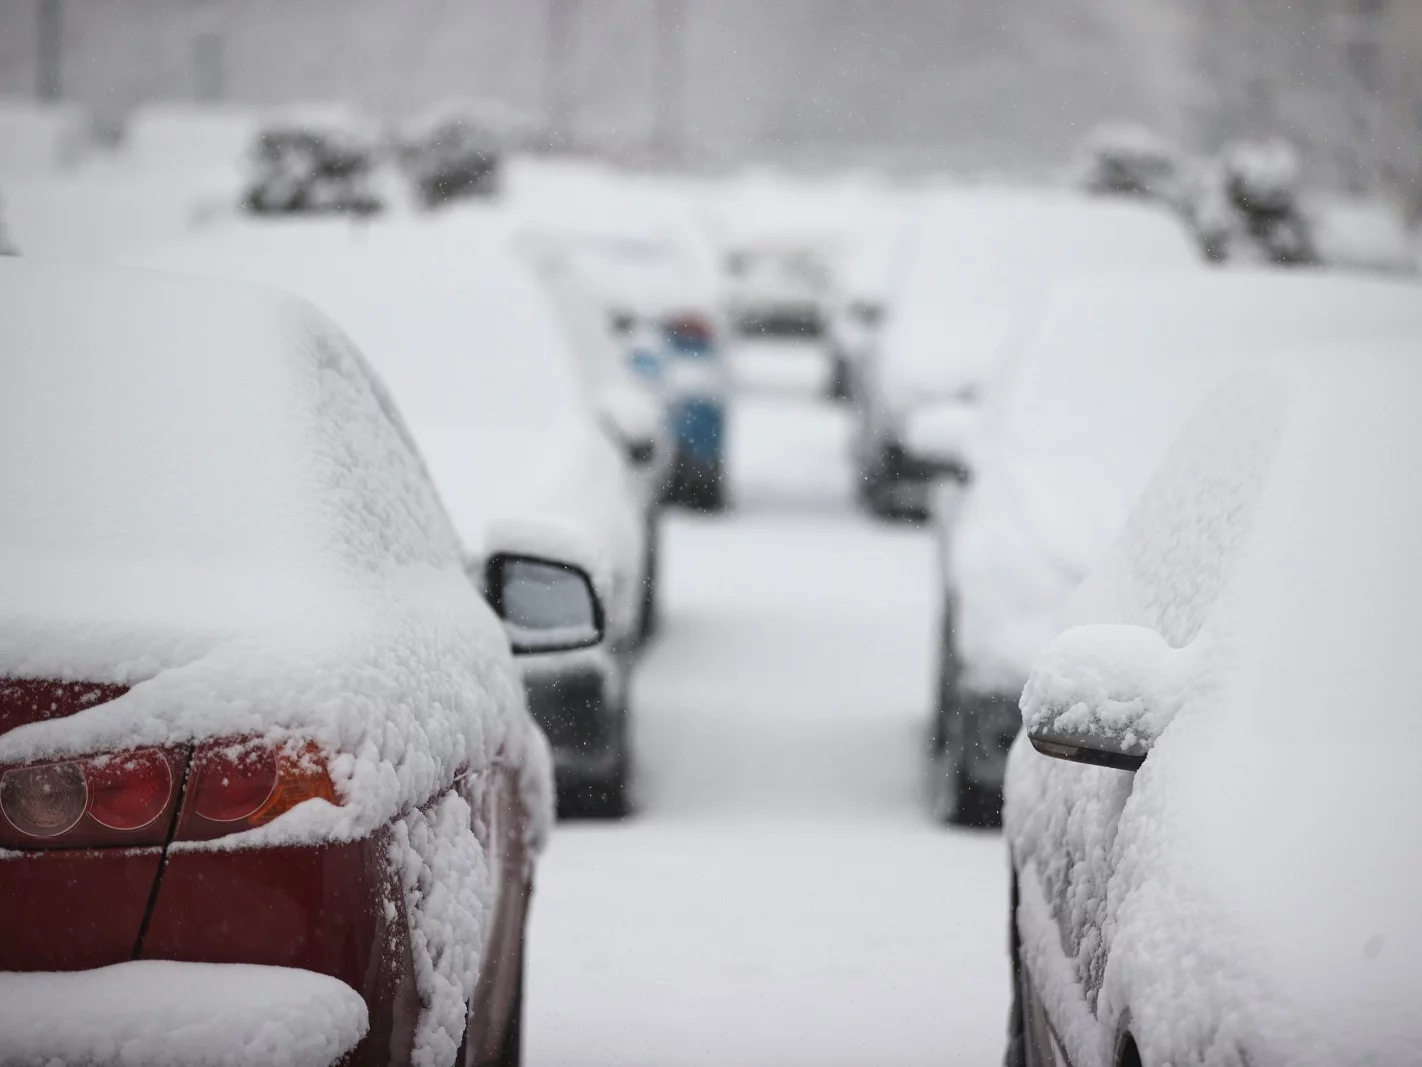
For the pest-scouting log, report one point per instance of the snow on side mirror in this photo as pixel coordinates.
(546, 606)
(1102, 694)
(943, 433)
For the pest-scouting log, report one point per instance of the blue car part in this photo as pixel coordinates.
(699, 426)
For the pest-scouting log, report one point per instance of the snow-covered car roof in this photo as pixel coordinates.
(1082, 412)
(208, 497)
(980, 261)
(1260, 894)
(472, 347)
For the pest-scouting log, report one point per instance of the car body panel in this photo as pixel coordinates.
(74, 909)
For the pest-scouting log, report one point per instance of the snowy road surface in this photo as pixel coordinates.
(780, 898)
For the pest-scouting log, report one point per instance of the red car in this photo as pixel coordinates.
(269, 792)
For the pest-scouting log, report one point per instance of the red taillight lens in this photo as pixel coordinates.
(233, 781)
(130, 790)
(240, 785)
(44, 801)
(122, 799)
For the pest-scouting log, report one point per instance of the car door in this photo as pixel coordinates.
(1165, 572)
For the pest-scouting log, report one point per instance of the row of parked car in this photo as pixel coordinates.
(1177, 525)
(266, 751)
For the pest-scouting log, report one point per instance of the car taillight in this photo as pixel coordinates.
(689, 335)
(128, 791)
(240, 785)
(117, 799)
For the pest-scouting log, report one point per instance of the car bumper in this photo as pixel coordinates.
(904, 484)
(990, 722)
(698, 424)
(584, 726)
(160, 1013)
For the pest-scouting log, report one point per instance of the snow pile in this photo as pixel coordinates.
(1240, 900)
(1079, 417)
(978, 263)
(37, 138)
(163, 1014)
(221, 508)
(445, 879)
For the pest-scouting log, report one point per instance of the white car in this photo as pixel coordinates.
(1075, 425)
(970, 279)
(1214, 810)
(269, 791)
(475, 352)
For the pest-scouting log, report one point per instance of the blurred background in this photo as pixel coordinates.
(795, 247)
(910, 84)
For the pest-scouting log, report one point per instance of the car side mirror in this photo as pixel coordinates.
(546, 606)
(633, 420)
(1102, 694)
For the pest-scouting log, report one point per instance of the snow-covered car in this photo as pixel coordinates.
(1249, 206)
(661, 312)
(974, 272)
(778, 290)
(623, 359)
(451, 154)
(1125, 159)
(455, 320)
(1213, 810)
(269, 789)
(1079, 417)
(307, 161)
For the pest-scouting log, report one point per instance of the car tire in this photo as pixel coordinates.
(700, 488)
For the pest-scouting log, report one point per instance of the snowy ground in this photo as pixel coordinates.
(781, 897)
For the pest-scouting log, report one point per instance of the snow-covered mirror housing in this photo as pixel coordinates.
(1102, 694)
(943, 433)
(546, 605)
